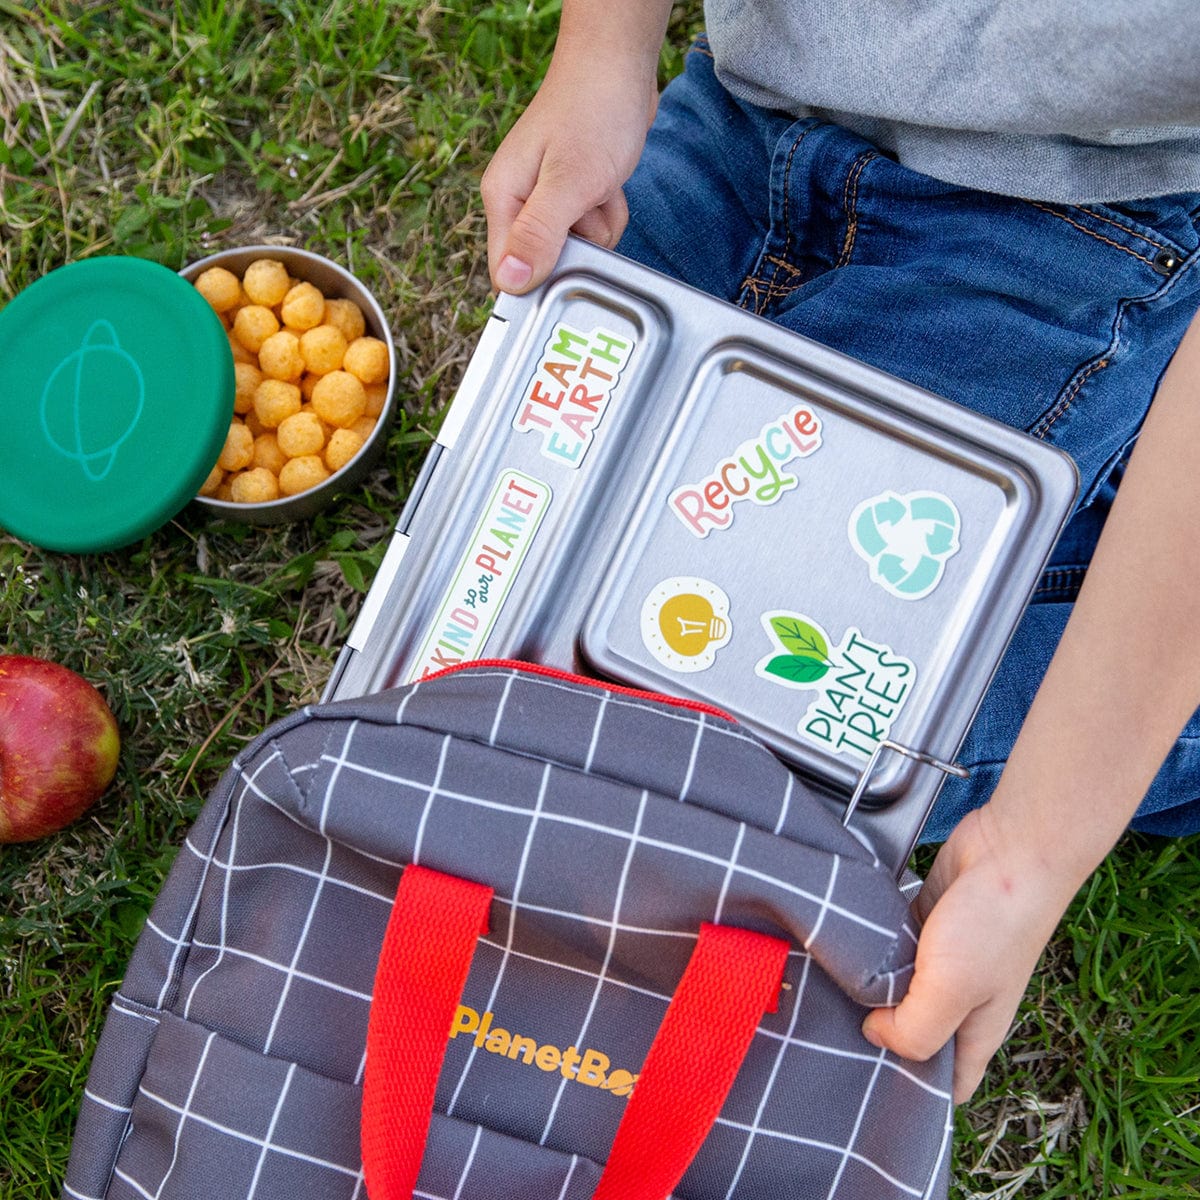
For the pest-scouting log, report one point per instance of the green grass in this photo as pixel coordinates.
(360, 131)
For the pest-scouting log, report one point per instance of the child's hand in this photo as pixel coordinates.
(562, 166)
(560, 170)
(986, 917)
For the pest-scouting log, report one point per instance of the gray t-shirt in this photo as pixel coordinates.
(1074, 101)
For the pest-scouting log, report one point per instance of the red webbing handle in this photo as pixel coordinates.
(436, 921)
(732, 978)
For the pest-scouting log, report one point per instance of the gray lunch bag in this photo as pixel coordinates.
(509, 933)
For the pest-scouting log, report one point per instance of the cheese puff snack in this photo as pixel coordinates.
(275, 401)
(345, 316)
(239, 352)
(376, 398)
(279, 356)
(253, 325)
(247, 377)
(266, 282)
(344, 444)
(366, 358)
(238, 449)
(303, 307)
(323, 349)
(210, 485)
(221, 288)
(310, 384)
(268, 454)
(300, 474)
(253, 487)
(301, 434)
(339, 399)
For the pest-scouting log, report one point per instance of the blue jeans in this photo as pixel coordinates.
(1057, 320)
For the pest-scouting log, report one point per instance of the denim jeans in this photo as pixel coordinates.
(1057, 320)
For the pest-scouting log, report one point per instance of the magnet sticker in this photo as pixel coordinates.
(485, 575)
(906, 540)
(752, 472)
(685, 621)
(575, 378)
(861, 686)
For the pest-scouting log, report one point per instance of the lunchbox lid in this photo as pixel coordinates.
(116, 392)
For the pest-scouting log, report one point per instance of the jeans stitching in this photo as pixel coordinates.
(787, 206)
(766, 291)
(1044, 425)
(1092, 233)
(1061, 581)
(783, 263)
(1125, 229)
(755, 285)
(1042, 428)
(769, 290)
(850, 204)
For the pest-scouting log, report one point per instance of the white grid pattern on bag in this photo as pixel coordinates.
(943, 1152)
(184, 1113)
(775, 1066)
(431, 795)
(896, 1065)
(290, 970)
(224, 919)
(498, 720)
(831, 1147)
(663, 710)
(512, 924)
(169, 974)
(785, 803)
(579, 1039)
(391, 778)
(737, 846)
(693, 758)
(858, 1120)
(240, 1135)
(267, 1145)
(462, 1179)
(325, 879)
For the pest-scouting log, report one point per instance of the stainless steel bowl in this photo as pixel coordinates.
(333, 281)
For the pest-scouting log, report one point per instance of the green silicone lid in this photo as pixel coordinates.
(116, 392)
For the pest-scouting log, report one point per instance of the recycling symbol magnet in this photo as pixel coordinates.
(906, 540)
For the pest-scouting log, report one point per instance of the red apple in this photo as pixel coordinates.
(58, 746)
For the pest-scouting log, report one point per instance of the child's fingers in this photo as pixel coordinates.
(919, 1026)
(605, 223)
(537, 232)
(927, 1018)
(509, 179)
(978, 1039)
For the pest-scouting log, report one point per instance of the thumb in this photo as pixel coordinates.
(536, 237)
(919, 1026)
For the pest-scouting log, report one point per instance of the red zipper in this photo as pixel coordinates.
(570, 677)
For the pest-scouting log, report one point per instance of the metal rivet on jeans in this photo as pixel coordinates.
(1166, 261)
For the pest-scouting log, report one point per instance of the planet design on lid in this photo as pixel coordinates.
(92, 401)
